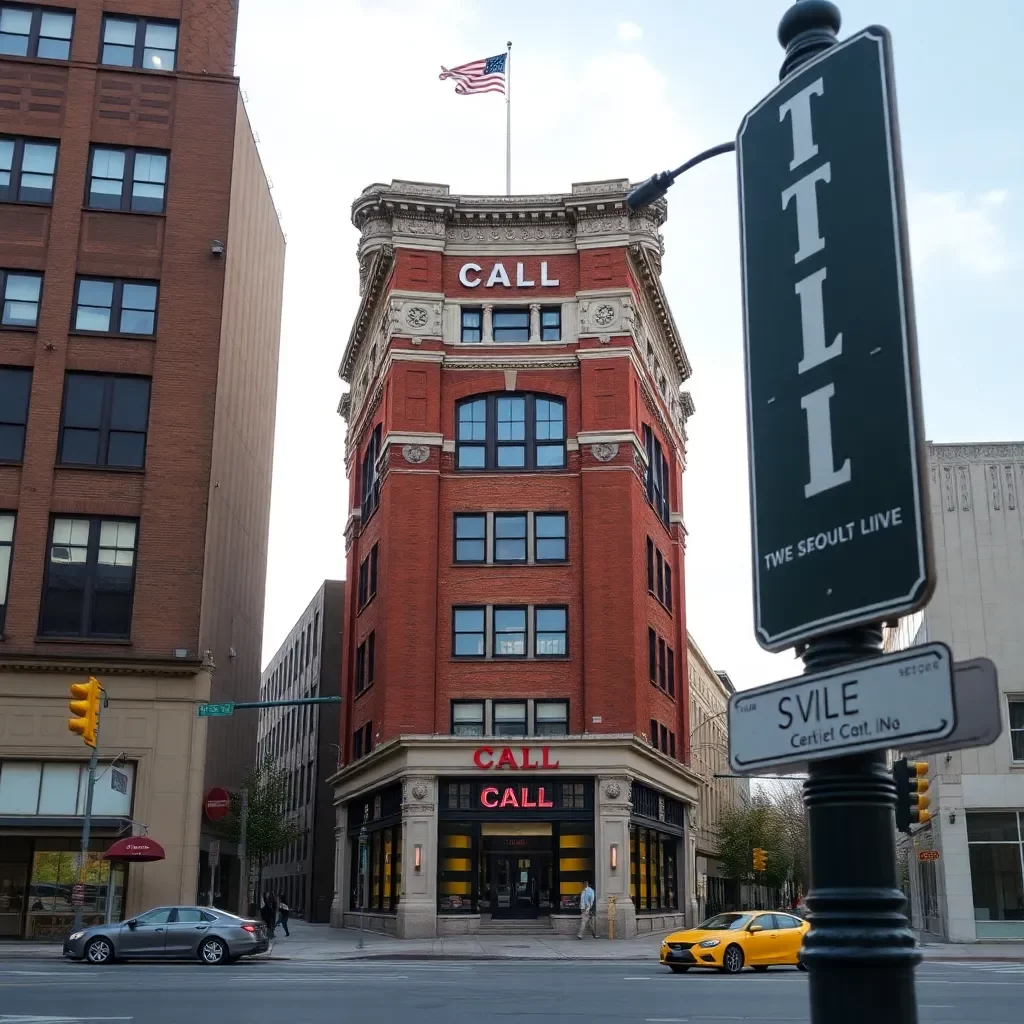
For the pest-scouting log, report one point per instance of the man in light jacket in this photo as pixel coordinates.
(587, 898)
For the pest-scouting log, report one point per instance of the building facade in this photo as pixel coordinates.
(514, 668)
(709, 756)
(141, 266)
(303, 741)
(974, 891)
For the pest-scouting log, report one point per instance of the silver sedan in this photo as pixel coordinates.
(170, 933)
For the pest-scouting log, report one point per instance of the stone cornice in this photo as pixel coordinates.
(104, 665)
(1009, 451)
(377, 277)
(648, 274)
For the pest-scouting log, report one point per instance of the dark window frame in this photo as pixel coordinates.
(141, 24)
(564, 516)
(11, 192)
(670, 664)
(662, 679)
(130, 154)
(667, 596)
(460, 702)
(36, 12)
(650, 566)
(530, 442)
(524, 516)
(495, 609)
(482, 632)
(22, 424)
(456, 518)
(104, 428)
(656, 483)
(116, 306)
(652, 655)
(517, 311)
(537, 609)
(549, 310)
(5, 273)
(7, 552)
(368, 578)
(654, 732)
(525, 719)
(369, 476)
(89, 590)
(478, 329)
(548, 702)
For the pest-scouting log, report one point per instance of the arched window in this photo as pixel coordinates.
(511, 432)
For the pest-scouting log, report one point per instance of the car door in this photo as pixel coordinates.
(790, 937)
(185, 931)
(760, 944)
(146, 934)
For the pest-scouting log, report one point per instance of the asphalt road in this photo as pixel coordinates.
(438, 992)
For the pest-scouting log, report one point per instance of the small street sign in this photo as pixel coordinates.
(118, 781)
(212, 710)
(979, 719)
(214, 851)
(876, 704)
(78, 895)
(217, 804)
(928, 855)
(837, 469)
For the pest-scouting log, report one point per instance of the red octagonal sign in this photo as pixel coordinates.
(218, 803)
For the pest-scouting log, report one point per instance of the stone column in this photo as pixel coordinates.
(417, 908)
(534, 321)
(488, 331)
(612, 829)
(342, 867)
(686, 883)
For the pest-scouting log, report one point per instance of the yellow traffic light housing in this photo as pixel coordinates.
(760, 859)
(85, 702)
(911, 786)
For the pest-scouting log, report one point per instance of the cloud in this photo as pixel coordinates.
(954, 229)
(629, 31)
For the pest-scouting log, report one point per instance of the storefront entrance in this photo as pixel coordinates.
(519, 884)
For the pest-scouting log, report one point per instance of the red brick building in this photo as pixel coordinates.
(514, 664)
(141, 267)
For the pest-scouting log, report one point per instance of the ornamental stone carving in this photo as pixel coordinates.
(604, 314)
(419, 790)
(416, 317)
(415, 453)
(613, 790)
(602, 225)
(426, 228)
(604, 452)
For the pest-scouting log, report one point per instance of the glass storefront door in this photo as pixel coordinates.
(514, 886)
(13, 879)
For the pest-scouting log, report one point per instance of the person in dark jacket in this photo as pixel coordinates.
(269, 912)
(283, 911)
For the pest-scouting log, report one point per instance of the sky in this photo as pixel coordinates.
(343, 93)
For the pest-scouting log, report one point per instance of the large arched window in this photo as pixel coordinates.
(511, 432)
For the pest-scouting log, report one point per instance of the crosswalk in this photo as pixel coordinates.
(987, 966)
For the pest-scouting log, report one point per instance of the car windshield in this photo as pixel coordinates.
(724, 923)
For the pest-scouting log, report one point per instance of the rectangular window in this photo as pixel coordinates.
(660, 583)
(467, 718)
(551, 537)
(511, 324)
(371, 481)
(510, 718)
(373, 570)
(104, 421)
(551, 718)
(371, 644)
(509, 633)
(661, 664)
(650, 566)
(551, 324)
(654, 733)
(90, 577)
(663, 745)
(316, 632)
(667, 596)
(360, 668)
(671, 744)
(357, 744)
(472, 325)
(368, 737)
(508, 432)
(470, 538)
(139, 43)
(115, 306)
(21, 290)
(1017, 728)
(652, 654)
(996, 849)
(468, 632)
(35, 32)
(368, 577)
(15, 387)
(551, 632)
(656, 480)
(133, 180)
(510, 537)
(27, 167)
(6, 551)
(671, 664)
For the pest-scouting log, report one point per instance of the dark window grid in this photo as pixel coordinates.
(42, 32)
(671, 744)
(15, 390)
(468, 725)
(364, 581)
(650, 566)
(667, 597)
(469, 629)
(128, 315)
(551, 726)
(357, 744)
(511, 324)
(91, 593)
(510, 531)
(654, 733)
(662, 683)
(22, 294)
(660, 582)
(370, 475)
(671, 665)
(368, 737)
(551, 323)
(663, 744)
(551, 631)
(469, 538)
(505, 724)
(373, 569)
(510, 433)
(652, 654)
(551, 536)
(360, 680)
(8, 521)
(471, 324)
(27, 170)
(117, 51)
(127, 179)
(1016, 711)
(509, 637)
(116, 434)
(656, 476)
(371, 644)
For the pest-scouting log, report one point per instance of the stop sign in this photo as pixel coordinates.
(218, 803)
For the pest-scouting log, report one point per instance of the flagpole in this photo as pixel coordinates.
(508, 120)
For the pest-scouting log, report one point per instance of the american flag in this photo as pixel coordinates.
(486, 75)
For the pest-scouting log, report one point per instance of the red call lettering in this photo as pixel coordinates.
(483, 758)
(489, 798)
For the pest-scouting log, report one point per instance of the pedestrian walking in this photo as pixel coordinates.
(269, 912)
(282, 914)
(587, 900)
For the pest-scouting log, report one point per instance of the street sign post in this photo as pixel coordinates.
(213, 710)
(878, 704)
(840, 532)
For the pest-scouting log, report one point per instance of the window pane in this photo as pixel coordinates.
(92, 318)
(94, 301)
(12, 443)
(511, 419)
(56, 26)
(510, 632)
(473, 420)
(19, 787)
(65, 591)
(510, 538)
(469, 645)
(126, 449)
(95, 293)
(467, 527)
(108, 163)
(468, 713)
(469, 620)
(118, 56)
(992, 826)
(120, 30)
(54, 49)
(40, 158)
(996, 881)
(551, 619)
(80, 447)
(14, 390)
(551, 711)
(83, 400)
(469, 544)
(160, 60)
(512, 456)
(471, 318)
(513, 712)
(162, 37)
(550, 455)
(472, 458)
(550, 538)
(550, 420)
(6, 154)
(15, 45)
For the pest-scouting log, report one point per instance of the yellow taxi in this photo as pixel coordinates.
(742, 938)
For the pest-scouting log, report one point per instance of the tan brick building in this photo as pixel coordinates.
(515, 637)
(141, 266)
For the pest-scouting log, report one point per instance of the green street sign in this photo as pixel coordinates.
(837, 462)
(211, 710)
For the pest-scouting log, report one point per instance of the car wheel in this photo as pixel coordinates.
(732, 962)
(761, 968)
(99, 951)
(214, 952)
(678, 968)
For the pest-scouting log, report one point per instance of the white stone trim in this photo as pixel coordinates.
(411, 437)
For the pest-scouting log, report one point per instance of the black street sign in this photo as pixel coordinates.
(840, 531)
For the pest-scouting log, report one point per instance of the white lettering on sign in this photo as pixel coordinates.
(464, 274)
(521, 281)
(499, 275)
(874, 523)
(545, 281)
(817, 350)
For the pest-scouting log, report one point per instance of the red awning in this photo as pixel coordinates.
(136, 848)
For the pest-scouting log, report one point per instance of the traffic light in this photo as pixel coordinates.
(760, 859)
(911, 785)
(85, 706)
